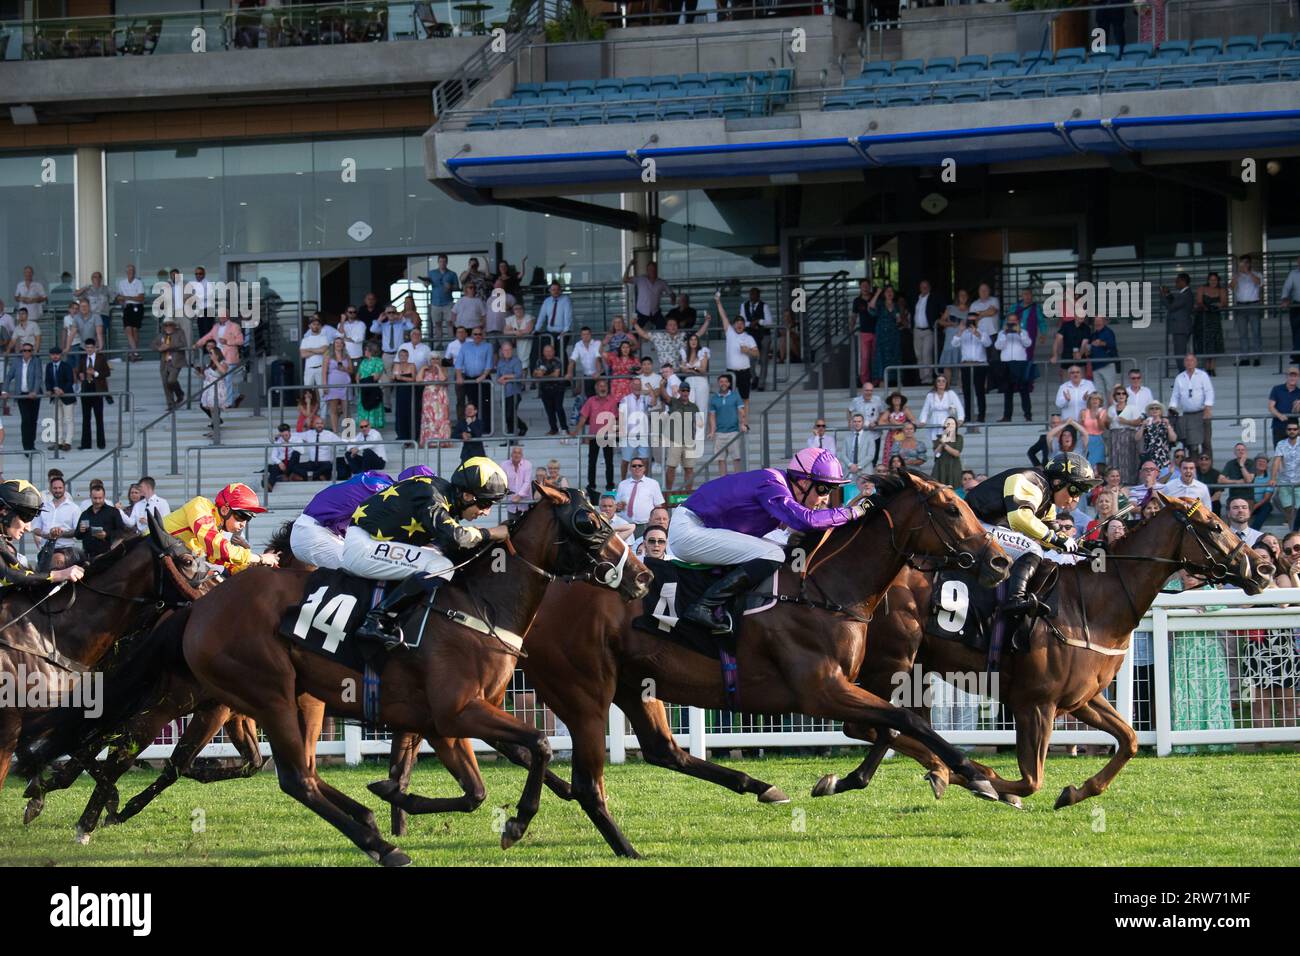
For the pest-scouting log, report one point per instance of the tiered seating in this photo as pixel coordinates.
(1175, 64)
(637, 99)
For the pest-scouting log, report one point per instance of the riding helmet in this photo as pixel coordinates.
(481, 477)
(21, 497)
(1070, 469)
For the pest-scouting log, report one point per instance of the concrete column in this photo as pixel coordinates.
(643, 243)
(1246, 222)
(92, 254)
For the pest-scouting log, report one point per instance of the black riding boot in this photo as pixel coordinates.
(381, 622)
(1018, 601)
(711, 609)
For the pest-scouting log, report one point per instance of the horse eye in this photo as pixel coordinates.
(954, 510)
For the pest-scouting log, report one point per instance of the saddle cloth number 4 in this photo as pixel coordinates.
(330, 620)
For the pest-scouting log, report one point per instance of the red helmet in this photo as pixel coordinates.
(239, 497)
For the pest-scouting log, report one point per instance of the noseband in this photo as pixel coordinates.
(955, 555)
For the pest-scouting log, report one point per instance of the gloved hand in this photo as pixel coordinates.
(862, 507)
(1063, 542)
(498, 535)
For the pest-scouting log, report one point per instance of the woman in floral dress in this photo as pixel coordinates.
(435, 421)
(623, 363)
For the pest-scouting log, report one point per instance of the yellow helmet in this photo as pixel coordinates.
(481, 477)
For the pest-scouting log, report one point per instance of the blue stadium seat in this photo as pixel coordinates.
(1103, 59)
(581, 86)
(1074, 54)
(536, 120)
(859, 82)
(1135, 51)
(1233, 56)
(1030, 88)
(1004, 59)
(507, 121)
(555, 87)
(1054, 69)
(1210, 46)
(1069, 86)
(664, 84)
(906, 96)
(1138, 81)
(482, 122)
(529, 90)
(720, 77)
(692, 81)
(839, 101)
(1033, 63)
(640, 93)
(940, 66)
(973, 63)
(677, 110)
(1174, 48)
(1241, 44)
(621, 113)
(611, 85)
(908, 68)
(1241, 73)
(1275, 42)
(878, 69)
(508, 101)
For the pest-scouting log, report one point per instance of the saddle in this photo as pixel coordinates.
(676, 586)
(963, 610)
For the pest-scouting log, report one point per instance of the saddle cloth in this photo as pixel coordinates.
(963, 610)
(676, 586)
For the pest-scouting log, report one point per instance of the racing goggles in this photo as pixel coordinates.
(242, 515)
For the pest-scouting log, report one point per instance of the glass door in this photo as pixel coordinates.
(289, 292)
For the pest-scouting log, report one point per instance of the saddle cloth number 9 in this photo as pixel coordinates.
(954, 604)
(331, 620)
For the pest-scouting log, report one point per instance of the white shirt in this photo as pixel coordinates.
(354, 335)
(919, 319)
(63, 516)
(632, 411)
(1196, 489)
(1192, 393)
(314, 447)
(127, 289)
(980, 305)
(974, 344)
(736, 359)
(827, 441)
(25, 371)
(201, 290)
(374, 440)
(1139, 399)
(420, 355)
(1247, 286)
(98, 298)
(453, 349)
(587, 356)
(649, 294)
(756, 310)
(314, 340)
(651, 381)
(1072, 399)
(935, 410)
(7, 321)
(34, 309)
(1247, 534)
(138, 516)
(1014, 348)
(469, 312)
(648, 496)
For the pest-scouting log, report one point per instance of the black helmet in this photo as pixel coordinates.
(21, 498)
(481, 477)
(1069, 469)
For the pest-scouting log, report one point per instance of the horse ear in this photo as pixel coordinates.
(550, 491)
(156, 532)
(1164, 499)
(906, 475)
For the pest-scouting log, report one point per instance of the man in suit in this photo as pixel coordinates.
(92, 373)
(23, 381)
(858, 449)
(59, 386)
(925, 320)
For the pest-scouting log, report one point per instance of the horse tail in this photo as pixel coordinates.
(126, 686)
(279, 543)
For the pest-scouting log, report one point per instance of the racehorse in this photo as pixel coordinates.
(1069, 661)
(794, 658)
(440, 688)
(60, 636)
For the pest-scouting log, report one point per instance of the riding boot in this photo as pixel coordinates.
(1022, 572)
(381, 622)
(710, 611)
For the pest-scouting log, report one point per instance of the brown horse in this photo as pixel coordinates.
(58, 637)
(793, 658)
(441, 688)
(1067, 667)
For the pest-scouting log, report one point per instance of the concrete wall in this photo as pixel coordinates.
(133, 82)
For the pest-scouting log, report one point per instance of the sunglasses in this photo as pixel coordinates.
(637, 465)
(656, 540)
(1291, 550)
(242, 515)
(483, 504)
(822, 489)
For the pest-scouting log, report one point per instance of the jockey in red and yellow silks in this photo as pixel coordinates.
(202, 526)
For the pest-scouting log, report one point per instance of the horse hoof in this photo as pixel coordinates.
(33, 809)
(1066, 799)
(81, 837)
(395, 857)
(773, 795)
(111, 819)
(1011, 800)
(383, 789)
(984, 790)
(511, 834)
(825, 787)
(937, 784)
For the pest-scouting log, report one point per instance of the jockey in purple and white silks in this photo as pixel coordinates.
(724, 521)
(317, 534)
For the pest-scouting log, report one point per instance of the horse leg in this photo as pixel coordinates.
(53, 778)
(457, 756)
(588, 730)
(478, 718)
(11, 723)
(402, 755)
(280, 720)
(1100, 713)
(242, 732)
(202, 727)
(1033, 733)
(659, 749)
(119, 761)
(861, 775)
(843, 700)
(520, 757)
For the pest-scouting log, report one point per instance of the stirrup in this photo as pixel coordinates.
(706, 617)
(377, 633)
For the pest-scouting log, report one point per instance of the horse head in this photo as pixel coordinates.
(587, 546)
(930, 523)
(183, 576)
(1208, 548)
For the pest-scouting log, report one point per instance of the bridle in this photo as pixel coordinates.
(1217, 570)
(956, 553)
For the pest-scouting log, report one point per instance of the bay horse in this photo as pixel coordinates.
(175, 695)
(442, 688)
(62, 634)
(1068, 663)
(794, 658)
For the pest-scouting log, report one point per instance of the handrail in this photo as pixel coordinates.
(198, 450)
(484, 63)
(120, 446)
(170, 415)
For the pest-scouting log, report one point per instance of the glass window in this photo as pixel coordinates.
(37, 226)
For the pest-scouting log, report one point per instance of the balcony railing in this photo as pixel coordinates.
(349, 21)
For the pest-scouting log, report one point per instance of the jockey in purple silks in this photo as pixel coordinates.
(317, 535)
(724, 522)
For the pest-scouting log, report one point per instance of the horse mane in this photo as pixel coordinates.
(279, 543)
(99, 564)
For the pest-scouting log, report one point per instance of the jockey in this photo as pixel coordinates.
(317, 534)
(1019, 507)
(203, 526)
(20, 503)
(406, 532)
(725, 520)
